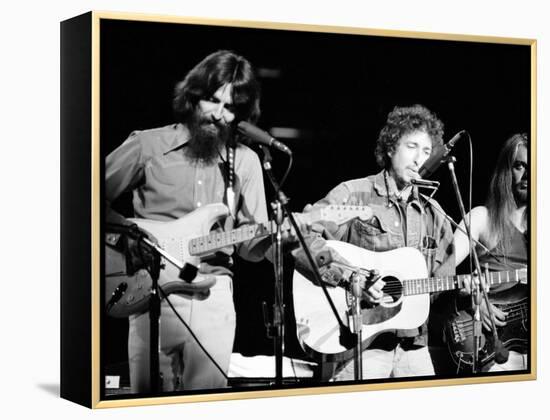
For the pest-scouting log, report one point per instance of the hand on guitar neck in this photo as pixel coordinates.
(500, 316)
(312, 231)
(306, 226)
(325, 228)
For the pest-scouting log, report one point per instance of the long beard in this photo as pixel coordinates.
(206, 139)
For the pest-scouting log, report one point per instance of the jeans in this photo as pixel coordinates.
(396, 363)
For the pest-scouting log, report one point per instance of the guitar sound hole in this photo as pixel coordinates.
(393, 289)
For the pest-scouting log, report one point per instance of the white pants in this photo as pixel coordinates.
(183, 364)
(396, 363)
(516, 361)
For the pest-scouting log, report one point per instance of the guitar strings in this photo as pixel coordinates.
(511, 317)
(411, 288)
(516, 314)
(515, 308)
(467, 326)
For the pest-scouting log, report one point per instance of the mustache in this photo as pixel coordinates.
(521, 183)
(207, 121)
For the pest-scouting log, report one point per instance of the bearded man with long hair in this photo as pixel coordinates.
(172, 171)
(501, 226)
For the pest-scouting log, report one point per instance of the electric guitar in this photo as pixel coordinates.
(514, 335)
(405, 305)
(187, 240)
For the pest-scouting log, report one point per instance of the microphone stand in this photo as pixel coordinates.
(187, 272)
(153, 269)
(478, 292)
(275, 328)
(278, 325)
(347, 338)
(357, 322)
(154, 330)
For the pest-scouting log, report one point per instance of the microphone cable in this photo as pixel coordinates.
(289, 166)
(165, 296)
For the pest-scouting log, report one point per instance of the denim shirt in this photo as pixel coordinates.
(395, 223)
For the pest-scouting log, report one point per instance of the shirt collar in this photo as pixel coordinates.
(180, 138)
(380, 188)
(380, 184)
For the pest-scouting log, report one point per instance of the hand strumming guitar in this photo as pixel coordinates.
(372, 291)
(500, 316)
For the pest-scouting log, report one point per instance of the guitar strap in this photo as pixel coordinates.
(428, 241)
(230, 176)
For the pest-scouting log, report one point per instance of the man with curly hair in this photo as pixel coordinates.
(402, 217)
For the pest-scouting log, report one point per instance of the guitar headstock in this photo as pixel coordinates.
(522, 275)
(343, 214)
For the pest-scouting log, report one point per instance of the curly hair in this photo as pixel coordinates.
(404, 120)
(214, 71)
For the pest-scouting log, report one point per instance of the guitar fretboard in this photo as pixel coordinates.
(217, 240)
(206, 244)
(441, 284)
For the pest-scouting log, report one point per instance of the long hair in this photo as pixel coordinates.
(404, 120)
(500, 198)
(214, 71)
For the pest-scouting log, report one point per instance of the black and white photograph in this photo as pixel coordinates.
(293, 208)
(165, 142)
(284, 112)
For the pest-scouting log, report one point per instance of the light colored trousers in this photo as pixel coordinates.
(516, 361)
(396, 363)
(183, 364)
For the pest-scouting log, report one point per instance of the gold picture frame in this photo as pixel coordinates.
(324, 88)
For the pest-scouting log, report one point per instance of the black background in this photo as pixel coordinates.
(337, 90)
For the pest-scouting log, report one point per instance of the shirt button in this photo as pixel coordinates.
(198, 204)
(396, 224)
(199, 182)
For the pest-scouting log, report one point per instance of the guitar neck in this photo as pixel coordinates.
(442, 284)
(214, 241)
(337, 214)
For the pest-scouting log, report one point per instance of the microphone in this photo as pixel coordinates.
(438, 156)
(259, 136)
